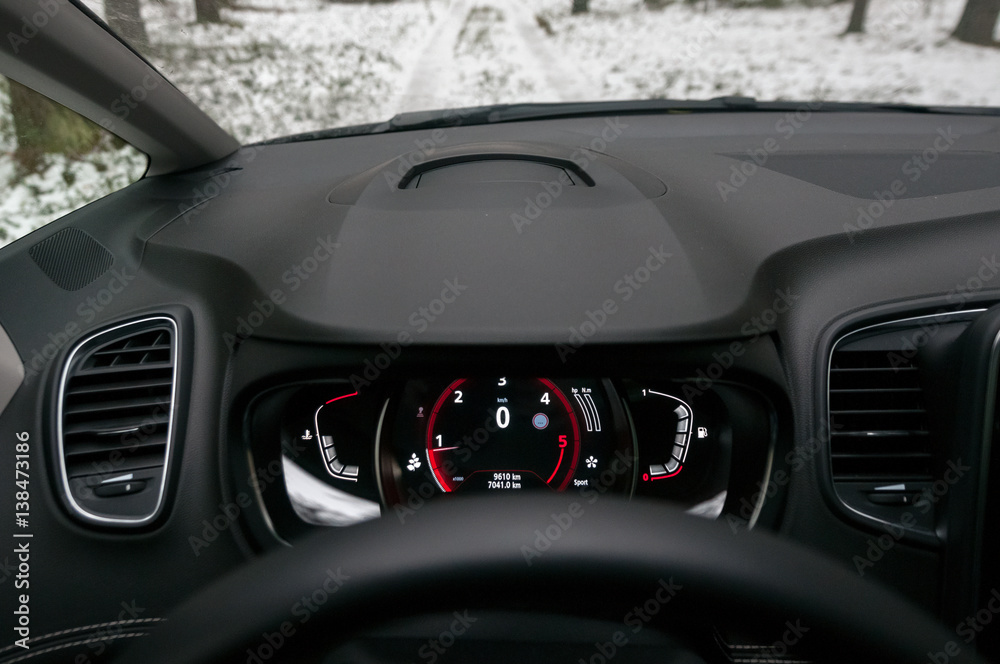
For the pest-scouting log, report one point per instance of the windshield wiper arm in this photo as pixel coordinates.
(527, 111)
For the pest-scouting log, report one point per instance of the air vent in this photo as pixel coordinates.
(116, 411)
(878, 423)
(885, 452)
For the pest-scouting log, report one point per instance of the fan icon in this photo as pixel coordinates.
(591, 462)
(414, 462)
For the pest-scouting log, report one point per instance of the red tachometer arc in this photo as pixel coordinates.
(444, 483)
(572, 458)
(576, 437)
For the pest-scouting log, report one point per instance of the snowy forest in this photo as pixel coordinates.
(269, 68)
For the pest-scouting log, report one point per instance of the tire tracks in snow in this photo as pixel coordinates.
(522, 65)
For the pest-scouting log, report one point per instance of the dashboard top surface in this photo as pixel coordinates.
(693, 226)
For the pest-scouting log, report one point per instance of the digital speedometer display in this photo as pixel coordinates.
(502, 434)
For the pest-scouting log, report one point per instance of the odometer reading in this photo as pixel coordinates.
(502, 434)
(505, 481)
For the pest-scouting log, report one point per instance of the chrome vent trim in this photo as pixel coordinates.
(134, 405)
(880, 496)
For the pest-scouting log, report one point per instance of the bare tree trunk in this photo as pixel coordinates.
(45, 127)
(207, 11)
(857, 22)
(978, 22)
(581, 6)
(125, 19)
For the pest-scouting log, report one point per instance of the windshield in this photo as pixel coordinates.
(269, 68)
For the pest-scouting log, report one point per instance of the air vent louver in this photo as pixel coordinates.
(115, 421)
(886, 446)
(877, 417)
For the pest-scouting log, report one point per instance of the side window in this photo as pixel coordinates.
(54, 161)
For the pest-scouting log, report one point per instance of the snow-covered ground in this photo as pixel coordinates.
(279, 67)
(796, 52)
(61, 184)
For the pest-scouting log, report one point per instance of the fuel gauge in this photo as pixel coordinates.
(680, 455)
(682, 436)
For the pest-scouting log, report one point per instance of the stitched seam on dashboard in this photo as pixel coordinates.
(130, 622)
(71, 644)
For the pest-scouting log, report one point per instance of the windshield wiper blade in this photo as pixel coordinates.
(513, 112)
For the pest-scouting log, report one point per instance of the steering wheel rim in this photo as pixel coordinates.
(484, 551)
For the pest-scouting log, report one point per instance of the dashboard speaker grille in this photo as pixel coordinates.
(115, 419)
(71, 258)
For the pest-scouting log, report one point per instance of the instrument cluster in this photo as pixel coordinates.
(348, 455)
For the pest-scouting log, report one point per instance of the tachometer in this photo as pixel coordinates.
(502, 434)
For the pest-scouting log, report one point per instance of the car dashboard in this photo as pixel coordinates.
(781, 321)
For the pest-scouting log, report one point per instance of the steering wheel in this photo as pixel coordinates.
(554, 553)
